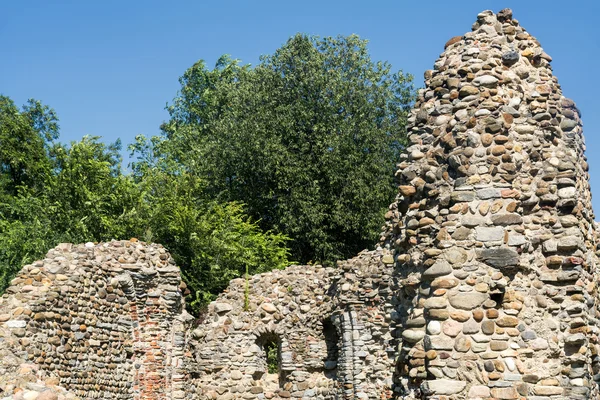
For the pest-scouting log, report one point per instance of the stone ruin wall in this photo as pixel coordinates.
(92, 321)
(483, 287)
(333, 330)
(493, 230)
(285, 311)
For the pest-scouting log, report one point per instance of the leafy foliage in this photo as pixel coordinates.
(25, 137)
(308, 140)
(302, 146)
(78, 193)
(272, 353)
(25, 233)
(89, 197)
(212, 242)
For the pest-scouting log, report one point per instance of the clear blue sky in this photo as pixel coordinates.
(109, 67)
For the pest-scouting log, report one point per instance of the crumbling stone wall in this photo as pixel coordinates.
(493, 228)
(288, 308)
(333, 329)
(99, 321)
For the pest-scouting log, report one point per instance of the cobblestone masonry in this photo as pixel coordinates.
(483, 286)
(104, 321)
(331, 326)
(493, 232)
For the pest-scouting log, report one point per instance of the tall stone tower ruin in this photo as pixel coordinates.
(493, 231)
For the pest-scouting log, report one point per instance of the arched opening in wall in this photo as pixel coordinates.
(332, 339)
(269, 364)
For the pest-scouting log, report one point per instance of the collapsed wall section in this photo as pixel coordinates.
(271, 339)
(102, 321)
(493, 228)
(304, 332)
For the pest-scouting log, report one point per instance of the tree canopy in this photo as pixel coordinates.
(292, 159)
(24, 143)
(308, 140)
(52, 193)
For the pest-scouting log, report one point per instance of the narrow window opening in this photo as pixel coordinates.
(331, 336)
(270, 361)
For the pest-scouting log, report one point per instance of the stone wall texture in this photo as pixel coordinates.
(93, 321)
(332, 329)
(493, 232)
(483, 285)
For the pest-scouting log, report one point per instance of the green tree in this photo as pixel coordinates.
(26, 233)
(52, 193)
(79, 196)
(213, 242)
(89, 196)
(308, 140)
(25, 138)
